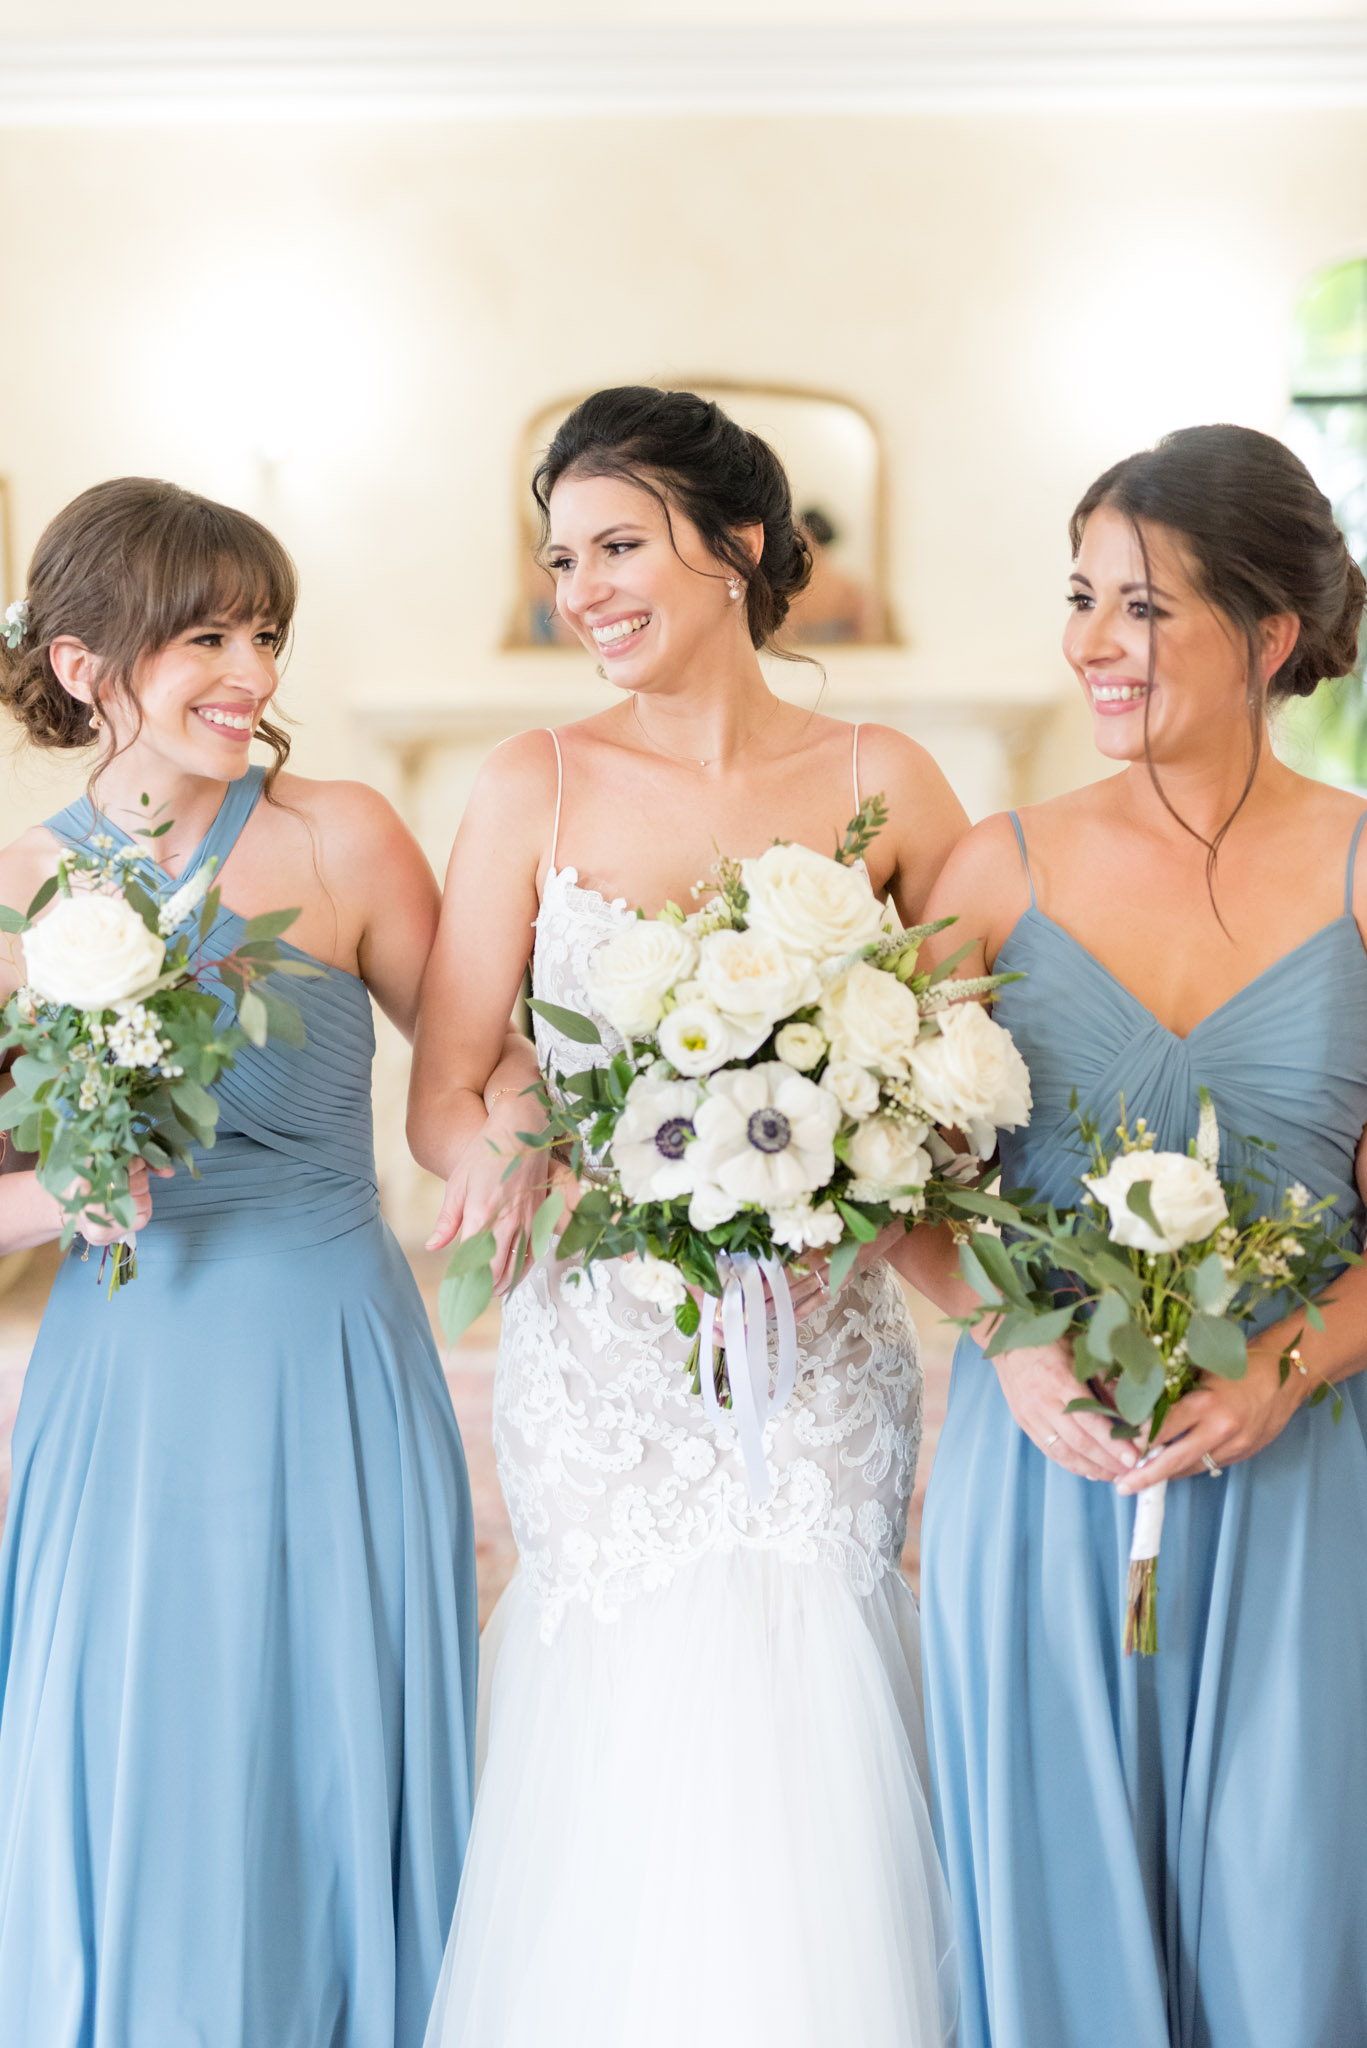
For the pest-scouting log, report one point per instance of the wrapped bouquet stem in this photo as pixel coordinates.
(769, 1077)
(1158, 1277)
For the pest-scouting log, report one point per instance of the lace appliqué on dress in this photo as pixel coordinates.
(613, 1474)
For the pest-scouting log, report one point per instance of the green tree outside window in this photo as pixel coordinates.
(1326, 734)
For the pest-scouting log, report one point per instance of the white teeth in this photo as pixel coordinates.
(228, 718)
(1117, 693)
(605, 635)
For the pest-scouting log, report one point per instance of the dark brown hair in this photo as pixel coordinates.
(687, 452)
(1261, 539)
(124, 569)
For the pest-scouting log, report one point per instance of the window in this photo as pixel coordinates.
(1327, 734)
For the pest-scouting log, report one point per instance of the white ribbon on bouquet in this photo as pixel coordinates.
(744, 1310)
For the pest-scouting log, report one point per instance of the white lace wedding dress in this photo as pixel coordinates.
(701, 1818)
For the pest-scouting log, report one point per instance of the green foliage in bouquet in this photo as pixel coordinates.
(118, 1029)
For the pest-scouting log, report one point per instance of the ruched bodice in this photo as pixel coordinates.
(1158, 1851)
(307, 1106)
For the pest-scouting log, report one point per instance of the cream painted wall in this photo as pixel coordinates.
(346, 328)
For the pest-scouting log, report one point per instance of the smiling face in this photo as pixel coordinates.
(647, 604)
(200, 698)
(1199, 685)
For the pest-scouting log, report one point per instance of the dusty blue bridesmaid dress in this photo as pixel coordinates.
(237, 1596)
(1174, 1849)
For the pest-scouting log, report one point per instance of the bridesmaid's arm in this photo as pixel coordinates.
(926, 821)
(30, 1216)
(1230, 1420)
(466, 1102)
(983, 886)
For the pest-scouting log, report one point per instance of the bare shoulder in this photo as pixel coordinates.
(341, 814)
(897, 764)
(984, 871)
(25, 865)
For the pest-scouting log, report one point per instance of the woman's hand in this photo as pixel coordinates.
(98, 1233)
(1225, 1420)
(1038, 1385)
(810, 1289)
(479, 1198)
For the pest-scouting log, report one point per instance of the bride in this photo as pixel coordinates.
(702, 1813)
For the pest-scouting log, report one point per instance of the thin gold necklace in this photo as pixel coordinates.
(686, 761)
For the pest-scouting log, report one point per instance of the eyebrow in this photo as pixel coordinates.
(622, 526)
(1126, 588)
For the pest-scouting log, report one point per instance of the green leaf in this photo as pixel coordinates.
(251, 1015)
(1024, 1329)
(269, 924)
(1136, 1399)
(1140, 1201)
(544, 1222)
(951, 961)
(842, 1259)
(1209, 1284)
(142, 900)
(1216, 1345)
(569, 1023)
(194, 1103)
(973, 1202)
(468, 1254)
(687, 1317)
(282, 1019)
(1110, 1312)
(46, 891)
(1135, 1352)
(12, 920)
(208, 911)
(306, 970)
(996, 1262)
(859, 1225)
(462, 1298)
(971, 1266)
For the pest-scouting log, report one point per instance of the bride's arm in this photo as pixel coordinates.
(926, 821)
(466, 1102)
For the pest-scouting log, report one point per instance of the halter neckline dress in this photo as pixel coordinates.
(237, 1598)
(1162, 1852)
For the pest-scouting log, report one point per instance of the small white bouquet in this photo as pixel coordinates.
(1164, 1265)
(118, 1026)
(787, 1086)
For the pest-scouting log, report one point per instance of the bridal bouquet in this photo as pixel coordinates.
(118, 1030)
(787, 1078)
(1167, 1262)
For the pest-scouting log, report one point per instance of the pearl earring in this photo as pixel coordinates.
(96, 722)
(733, 588)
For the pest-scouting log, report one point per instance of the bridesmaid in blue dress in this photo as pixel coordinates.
(237, 1589)
(1161, 1851)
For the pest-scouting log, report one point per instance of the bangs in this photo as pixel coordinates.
(204, 562)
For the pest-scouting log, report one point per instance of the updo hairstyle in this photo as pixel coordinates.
(688, 453)
(124, 569)
(1261, 537)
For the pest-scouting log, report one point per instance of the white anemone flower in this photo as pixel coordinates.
(764, 1134)
(654, 1136)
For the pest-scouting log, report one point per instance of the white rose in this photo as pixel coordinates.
(853, 1086)
(871, 1018)
(810, 903)
(888, 1156)
(653, 1280)
(765, 1134)
(1185, 1196)
(801, 1045)
(710, 1206)
(92, 951)
(629, 978)
(802, 1228)
(971, 1078)
(653, 1138)
(695, 1040)
(753, 980)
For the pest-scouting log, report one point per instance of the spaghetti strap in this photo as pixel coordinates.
(854, 764)
(1352, 863)
(559, 791)
(1025, 858)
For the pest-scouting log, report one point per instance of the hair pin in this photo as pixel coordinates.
(16, 623)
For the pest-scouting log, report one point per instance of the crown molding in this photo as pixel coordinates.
(707, 69)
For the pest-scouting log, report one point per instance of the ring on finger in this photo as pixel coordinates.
(1215, 1471)
(1050, 1440)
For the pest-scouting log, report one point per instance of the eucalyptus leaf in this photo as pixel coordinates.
(1140, 1201)
(269, 924)
(1137, 1398)
(996, 1262)
(461, 1299)
(1135, 1352)
(1110, 1312)
(46, 891)
(859, 1226)
(842, 1260)
(251, 1015)
(569, 1023)
(1216, 1345)
(12, 920)
(468, 1254)
(971, 1266)
(282, 1018)
(1023, 1330)
(544, 1222)
(1209, 1283)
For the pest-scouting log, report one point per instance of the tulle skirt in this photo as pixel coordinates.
(703, 1823)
